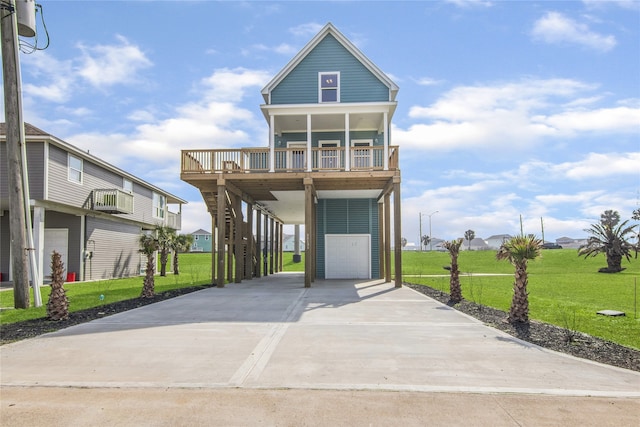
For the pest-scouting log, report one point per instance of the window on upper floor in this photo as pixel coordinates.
(159, 204)
(127, 185)
(75, 168)
(329, 87)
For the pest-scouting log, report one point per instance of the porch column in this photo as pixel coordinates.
(397, 230)
(238, 239)
(276, 252)
(213, 246)
(248, 260)
(38, 243)
(386, 141)
(271, 244)
(308, 231)
(387, 237)
(296, 243)
(258, 243)
(281, 245)
(266, 245)
(381, 240)
(272, 144)
(309, 153)
(221, 216)
(347, 144)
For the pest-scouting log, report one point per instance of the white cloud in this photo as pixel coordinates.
(195, 216)
(107, 65)
(471, 3)
(510, 115)
(54, 87)
(229, 85)
(309, 29)
(555, 28)
(427, 81)
(597, 165)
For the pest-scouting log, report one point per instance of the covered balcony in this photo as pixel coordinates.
(113, 201)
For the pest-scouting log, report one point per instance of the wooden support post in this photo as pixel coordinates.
(248, 262)
(397, 230)
(258, 243)
(308, 231)
(265, 250)
(387, 237)
(271, 245)
(381, 257)
(238, 239)
(230, 249)
(222, 229)
(214, 248)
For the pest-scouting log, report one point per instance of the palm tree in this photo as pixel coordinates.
(455, 291)
(165, 236)
(148, 246)
(425, 240)
(181, 243)
(469, 235)
(610, 237)
(518, 250)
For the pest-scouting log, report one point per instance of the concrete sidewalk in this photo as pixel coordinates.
(330, 348)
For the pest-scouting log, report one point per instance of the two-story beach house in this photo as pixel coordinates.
(86, 209)
(201, 241)
(329, 165)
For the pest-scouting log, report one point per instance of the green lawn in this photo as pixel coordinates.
(563, 289)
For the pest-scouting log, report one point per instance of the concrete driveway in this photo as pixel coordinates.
(270, 352)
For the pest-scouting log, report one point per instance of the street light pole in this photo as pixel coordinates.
(430, 235)
(420, 236)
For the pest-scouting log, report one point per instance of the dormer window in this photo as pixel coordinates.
(329, 87)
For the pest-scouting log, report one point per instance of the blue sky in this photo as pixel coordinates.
(505, 108)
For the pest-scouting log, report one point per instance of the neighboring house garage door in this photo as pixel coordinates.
(55, 239)
(347, 256)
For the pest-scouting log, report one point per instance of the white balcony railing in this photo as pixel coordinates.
(113, 201)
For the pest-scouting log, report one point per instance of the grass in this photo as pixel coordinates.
(564, 289)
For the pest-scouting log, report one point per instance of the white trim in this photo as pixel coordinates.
(347, 147)
(309, 136)
(294, 159)
(46, 172)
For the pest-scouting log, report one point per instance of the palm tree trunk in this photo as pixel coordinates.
(455, 292)
(519, 311)
(176, 268)
(148, 289)
(164, 258)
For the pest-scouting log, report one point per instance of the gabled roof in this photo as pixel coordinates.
(350, 47)
(201, 232)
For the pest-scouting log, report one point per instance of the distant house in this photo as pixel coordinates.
(569, 243)
(476, 244)
(495, 241)
(288, 243)
(201, 241)
(86, 209)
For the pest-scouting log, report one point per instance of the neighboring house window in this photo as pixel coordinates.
(206, 237)
(127, 185)
(196, 238)
(75, 169)
(159, 203)
(329, 87)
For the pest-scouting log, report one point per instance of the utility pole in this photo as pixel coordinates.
(19, 210)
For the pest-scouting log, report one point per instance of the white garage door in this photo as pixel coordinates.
(55, 239)
(347, 256)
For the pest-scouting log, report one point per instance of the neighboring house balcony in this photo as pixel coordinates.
(174, 220)
(113, 201)
(298, 159)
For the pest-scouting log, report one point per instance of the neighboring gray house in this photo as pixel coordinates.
(477, 244)
(328, 164)
(495, 241)
(89, 211)
(569, 243)
(201, 241)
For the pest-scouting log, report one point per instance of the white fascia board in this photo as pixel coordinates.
(334, 108)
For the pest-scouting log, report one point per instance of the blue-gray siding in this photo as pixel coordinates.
(357, 83)
(347, 216)
(35, 163)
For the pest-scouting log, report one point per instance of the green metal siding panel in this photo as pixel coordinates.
(357, 83)
(347, 216)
